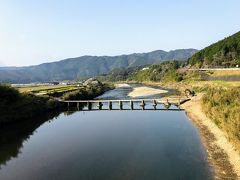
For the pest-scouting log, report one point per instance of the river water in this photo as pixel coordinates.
(105, 145)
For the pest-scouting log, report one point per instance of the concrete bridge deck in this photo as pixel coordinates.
(133, 103)
(159, 100)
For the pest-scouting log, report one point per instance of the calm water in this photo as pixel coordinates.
(105, 145)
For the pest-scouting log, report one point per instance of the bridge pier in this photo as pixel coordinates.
(89, 105)
(110, 105)
(100, 105)
(177, 101)
(154, 104)
(131, 105)
(120, 105)
(143, 104)
(167, 105)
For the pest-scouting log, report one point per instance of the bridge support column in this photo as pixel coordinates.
(100, 105)
(78, 106)
(154, 104)
(167, 105)
(143, 104)
(131, 105)
(89, 105)
(110, 105)
(120, 105)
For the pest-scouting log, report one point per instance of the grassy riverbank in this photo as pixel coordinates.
(88, 92)
(220, 102)
(16, 106)
(222, 106)
(221, 154)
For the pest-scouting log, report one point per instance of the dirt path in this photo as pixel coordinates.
(221, 154)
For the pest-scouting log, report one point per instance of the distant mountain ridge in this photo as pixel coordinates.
(86, 66)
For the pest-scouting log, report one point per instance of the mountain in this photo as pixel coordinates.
(225, 53)
(86, 66)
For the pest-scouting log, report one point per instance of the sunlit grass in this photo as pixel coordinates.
(38, 88)
(224, 73)
(222, 106)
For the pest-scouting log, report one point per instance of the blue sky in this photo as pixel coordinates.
(37, 31)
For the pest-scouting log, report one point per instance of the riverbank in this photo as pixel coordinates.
(221, 154)
(17, 107)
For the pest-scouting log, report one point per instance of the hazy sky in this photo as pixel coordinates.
(37, 31)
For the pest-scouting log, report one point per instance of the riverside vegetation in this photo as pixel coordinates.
(166, 71)
(16, 106)
(223, 107)
(88, 92)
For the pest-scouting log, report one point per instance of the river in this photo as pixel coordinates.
(105, 145)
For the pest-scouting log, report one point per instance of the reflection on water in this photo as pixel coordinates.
(13, 136)
(117, 93)
(104, 145)
(112, 145)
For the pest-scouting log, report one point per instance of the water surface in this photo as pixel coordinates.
(106, 145)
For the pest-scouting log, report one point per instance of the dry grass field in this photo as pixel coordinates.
(224, 73)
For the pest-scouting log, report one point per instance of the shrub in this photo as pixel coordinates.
(8, 93)
(88, 92)
(16, 107)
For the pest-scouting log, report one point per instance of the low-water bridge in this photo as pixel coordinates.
(133, 103)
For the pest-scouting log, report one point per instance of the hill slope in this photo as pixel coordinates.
(225, 53)
(85, 66)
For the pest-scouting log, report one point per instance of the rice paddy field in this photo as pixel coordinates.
(54, 90)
